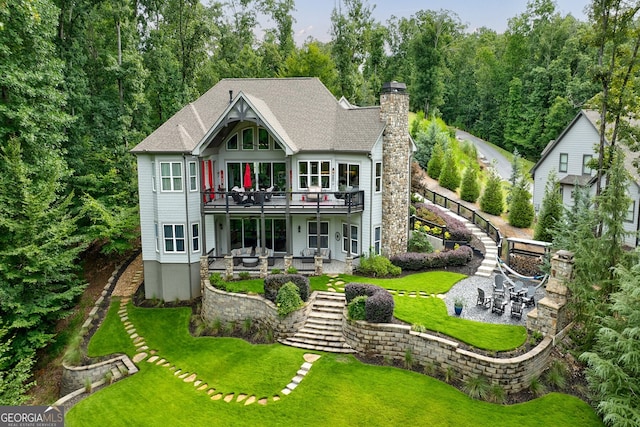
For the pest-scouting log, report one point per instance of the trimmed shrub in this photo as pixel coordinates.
(419, 242)
(470, 187)
(418, 261)
(288, 300)
(449, 176)
(492, 200)
(273, 282)
(377, 266)
(521, 211)
(356, 308)
(379, 307)
(355, 289)
(434, 167)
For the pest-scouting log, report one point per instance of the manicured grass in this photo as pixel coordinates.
(431, 282)
(111, 337)
(338, 390)
(432, 314)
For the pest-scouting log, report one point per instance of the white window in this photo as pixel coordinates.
(314, 173)
(247, 139)
(378, 177)
(630, 212)
(232, 142)
(153, 176)
(195, 237)
(155, 228)
(564, 162)
(193, 176)
(263, 139)
(586, 158)
(174, 238)
(348, 175)
(350, 240)
(377, 238)
(171, 174)
(313, 234)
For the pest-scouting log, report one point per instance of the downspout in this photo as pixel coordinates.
(372, 192)
(187, 244)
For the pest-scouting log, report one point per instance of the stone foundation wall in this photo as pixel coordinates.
(75, 377)
(512, 374)
(235, 307)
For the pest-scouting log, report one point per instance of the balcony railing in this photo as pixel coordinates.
(295, 201)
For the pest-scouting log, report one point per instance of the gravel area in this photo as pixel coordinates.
(467, 289)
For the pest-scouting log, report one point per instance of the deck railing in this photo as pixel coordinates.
(348, 201)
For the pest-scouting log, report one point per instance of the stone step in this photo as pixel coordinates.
(329, 332)
(319, 337)
(319, 346)
(325, 315)
(329, 303)
(329, 295)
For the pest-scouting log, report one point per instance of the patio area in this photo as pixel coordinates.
(217, 264)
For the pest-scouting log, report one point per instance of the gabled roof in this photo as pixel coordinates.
(300, 110)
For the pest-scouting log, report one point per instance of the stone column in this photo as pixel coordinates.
(264, 266)
(396, 168)
(228, 267)
(204, 272)
(550, 316)
(348, 265)
(288, 262)
(317, 261)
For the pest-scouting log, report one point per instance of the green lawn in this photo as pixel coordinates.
(339, 390)
(432, 314)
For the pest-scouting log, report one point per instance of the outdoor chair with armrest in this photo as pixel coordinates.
(498, 286)
(499, 304)
(516, 293)
(483, 300)
(516, 309)
(529, 298)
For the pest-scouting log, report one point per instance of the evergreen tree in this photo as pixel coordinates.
(521, 211)
(14, 378)
(613, 369)
(516, 173)
(470, 187)
(492, 201)
(551, 210)
(434, 167)
(449, 176)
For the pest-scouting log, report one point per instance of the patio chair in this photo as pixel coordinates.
(499, 304)
(516, 293)
(483, 300)
(516, 309)
(498, 285)
(529, 298)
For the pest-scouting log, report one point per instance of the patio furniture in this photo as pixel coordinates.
(307, 255)
(240, 253)
(499, 304)
(529, 298)
(325, 253)
(483, 300)
(268, 253)
(517, 292)
(268, 193)
(516, 309)
(498, 286)
(239, 196)
(250, 261)
(314, 193)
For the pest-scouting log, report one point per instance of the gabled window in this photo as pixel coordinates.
(193, 176)
(263, 139)
(174, 238)
(247, 139)
(586, 158)
(564, 162)
(171, 175)
(232, 142)
(378, 177)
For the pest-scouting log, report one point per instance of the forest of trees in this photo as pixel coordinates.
(83, 81)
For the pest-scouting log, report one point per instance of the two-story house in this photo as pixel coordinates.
(569, 156)
(274, 164)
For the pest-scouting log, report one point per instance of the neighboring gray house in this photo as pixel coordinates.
(569, 155)
(271, 163)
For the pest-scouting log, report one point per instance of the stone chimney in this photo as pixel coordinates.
(396, 168)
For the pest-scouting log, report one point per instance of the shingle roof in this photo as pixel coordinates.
(303, 108)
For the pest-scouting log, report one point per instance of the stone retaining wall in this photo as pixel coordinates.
(235, 307)
(394, 341)
(75, 377)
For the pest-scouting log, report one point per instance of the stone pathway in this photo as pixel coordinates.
(143, 352)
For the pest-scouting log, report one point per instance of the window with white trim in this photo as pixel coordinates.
(174, 238)
(631, 212)
(378, 177)
(195, 237)
(564, 162)
(314, 173)
(153, 176)
(193, 176)
(232, 142)
(377, 238)
(586, 158)
(313, 234)
(353, 239)
(247, 139)
(263, 139)
(155, 229)
(348, 174)
(171, 176)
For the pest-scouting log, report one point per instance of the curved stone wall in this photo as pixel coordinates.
(513, 374)
(235, 307)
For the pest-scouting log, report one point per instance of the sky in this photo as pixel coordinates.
(313, 17)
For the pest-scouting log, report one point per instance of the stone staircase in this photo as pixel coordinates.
(491, 249)
(323, 329)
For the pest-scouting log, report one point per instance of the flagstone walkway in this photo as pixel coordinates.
(125, 290)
